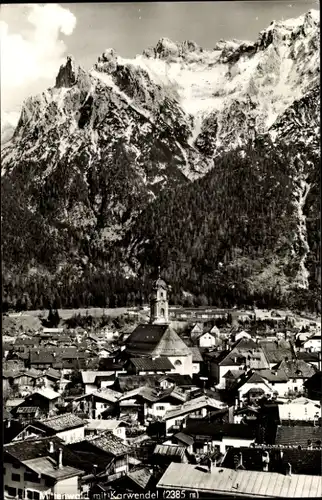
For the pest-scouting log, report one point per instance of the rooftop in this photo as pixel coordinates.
(192, 406)
(63, 422)
(109, 443)
(291, 435)
(148, 364)
(48, 467)
(242, 482)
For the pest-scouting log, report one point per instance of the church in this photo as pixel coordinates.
(157, 338)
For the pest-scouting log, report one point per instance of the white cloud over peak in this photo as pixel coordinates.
(28, 58)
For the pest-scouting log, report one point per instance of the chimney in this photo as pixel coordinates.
(60, 458)
(265, 460)
(51, 447)
(209, 464)
(288, 469)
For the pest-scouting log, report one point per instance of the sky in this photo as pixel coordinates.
(36, 38)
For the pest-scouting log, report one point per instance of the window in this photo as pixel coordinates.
(31, 477)
(20, 493)
(33, 495)
(178, 362)
(160, 407)
(12, 491)
(162, 312)
(15, 477)
(16, 466)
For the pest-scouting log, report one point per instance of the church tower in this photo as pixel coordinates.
(159, 309)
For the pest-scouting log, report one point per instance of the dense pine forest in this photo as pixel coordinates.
(228, 239)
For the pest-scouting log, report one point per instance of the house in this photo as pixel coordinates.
(276, 459)
(126, 383)
(67, 427)
(305, 436)
(277, 351)
(300, 409)
(245, 354)
(36, 468)
(232, 377)
(196, 481)
(147, 366)
(158, 339)
(108, 445)
(116, 426)
(96, 403)
(209, 437)
(183, 439)
(276, 378)
(10, 381)
(208, 340)
(94, 380)
(198, 407)
(164, 454)
(153, 402)
(297, 371)
(41, 359)
(252, 386)
(246, 415)
(196, 331)
(44, 399)
(53, 379)
(313, 386)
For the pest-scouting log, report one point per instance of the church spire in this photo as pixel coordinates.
(159, 301)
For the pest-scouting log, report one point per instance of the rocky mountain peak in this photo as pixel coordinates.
(68, 74)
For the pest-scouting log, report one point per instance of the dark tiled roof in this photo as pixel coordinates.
(29, 449)
(27, 341)
(298, 368)
(11, 374)
(309, 357)
(276, 351)
(42, 357)
(295, 435)
(274, 376)
(203, 428)
(127, 382)
(140, 476)
(152, 364)
(302, 461)
(145, 338)
(177, 379)
(109, 443)
(62, 422)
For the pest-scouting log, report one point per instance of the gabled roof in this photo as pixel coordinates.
(61, 423)
(276, 351)
(192, 406)
(29, 449)
(298, 368)
(104, 425)
(46, 466)
(298, 435)
(106, 394)
(129, 382)
(152, 364)
(184, 438)
(47, 393)
(109, 443)
(145, 338)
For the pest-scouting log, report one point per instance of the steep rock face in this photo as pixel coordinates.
(91, 153)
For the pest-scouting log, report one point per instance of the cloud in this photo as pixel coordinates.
(28, 58)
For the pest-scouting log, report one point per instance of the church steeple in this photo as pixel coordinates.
(159, 313)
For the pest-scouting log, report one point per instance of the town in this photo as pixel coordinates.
(164, 402)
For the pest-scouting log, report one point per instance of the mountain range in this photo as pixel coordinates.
(203, 161)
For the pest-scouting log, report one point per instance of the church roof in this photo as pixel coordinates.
(156, 340)
(159, 283)
(145, 338)
(171, 344)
